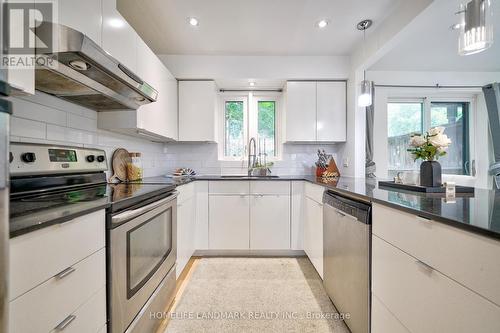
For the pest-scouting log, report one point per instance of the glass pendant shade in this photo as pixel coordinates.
(476, 27)
(365, 94)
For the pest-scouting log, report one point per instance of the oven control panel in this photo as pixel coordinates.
(38, 159)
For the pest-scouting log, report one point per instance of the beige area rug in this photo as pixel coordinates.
(255, 295)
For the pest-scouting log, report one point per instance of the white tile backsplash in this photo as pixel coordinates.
(45, 119)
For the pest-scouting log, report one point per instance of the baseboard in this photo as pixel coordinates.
(249, 253)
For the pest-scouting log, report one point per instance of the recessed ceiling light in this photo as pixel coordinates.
(322, 23)
(116, 23)
(193, 21)
(252, 84)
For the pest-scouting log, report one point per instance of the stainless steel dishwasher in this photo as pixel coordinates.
(346, 258)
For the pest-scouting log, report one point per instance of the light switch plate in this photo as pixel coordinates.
(346, 162)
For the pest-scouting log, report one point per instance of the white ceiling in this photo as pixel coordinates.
(432, 45)
(253, 27)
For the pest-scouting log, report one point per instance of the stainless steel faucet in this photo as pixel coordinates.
(251, 164)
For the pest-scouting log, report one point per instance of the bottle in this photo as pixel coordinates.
(134, 169)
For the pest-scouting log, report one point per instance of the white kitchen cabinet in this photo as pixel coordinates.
(383, 321)
(297, 215)
(198, 111)
(118, 38)
(412, 290)
(186, 219)
(270, 221)
(300, 111)
(316, 111)
(229, 222)
(331, 111)
(313, 233)
(21, 80)
(84, 16)
(201, 238)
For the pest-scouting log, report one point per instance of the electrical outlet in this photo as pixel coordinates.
(346, 162)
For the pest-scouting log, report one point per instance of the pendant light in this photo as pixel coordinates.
(476, 27)
(365, 97)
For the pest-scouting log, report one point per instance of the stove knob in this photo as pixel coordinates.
(28, 157)
(90, 158)
(11, 157)
(100, 158)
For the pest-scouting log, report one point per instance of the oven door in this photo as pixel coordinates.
(142, 252)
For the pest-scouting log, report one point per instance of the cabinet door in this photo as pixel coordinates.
(118, 37)
(197, 111)
(159, 117)
(313, 234)
(22, 79)
(84, 16)
(331, 111)
(229, 222)
(185, 233)
(270, 222)
(300, 111)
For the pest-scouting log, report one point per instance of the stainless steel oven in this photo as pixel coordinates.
(142, 255)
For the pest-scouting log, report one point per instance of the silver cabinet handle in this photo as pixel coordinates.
(423, 219)
(340, 213)
(427, 267)
(65, 273)
(69, 319)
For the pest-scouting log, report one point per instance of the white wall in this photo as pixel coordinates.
(45, 119)
(483, 149)
(257, 67)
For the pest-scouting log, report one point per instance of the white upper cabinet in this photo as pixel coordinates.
(301, 111)
(159, 117)
(118, 37)
(316, 111)
(84, 16)
(197, 111)
(331, 111)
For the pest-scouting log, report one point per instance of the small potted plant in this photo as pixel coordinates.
(430, 147)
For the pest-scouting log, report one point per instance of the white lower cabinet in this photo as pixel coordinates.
(186, 220)
(383, 321)
(229, 222)
(58, 277)
(423, 299)
(270, 222)
(313, 233)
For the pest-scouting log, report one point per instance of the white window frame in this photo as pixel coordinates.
(427, 100)
(251, 100)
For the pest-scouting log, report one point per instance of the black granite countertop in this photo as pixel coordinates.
(478, 213)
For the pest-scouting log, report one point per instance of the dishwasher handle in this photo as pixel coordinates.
(358, 210)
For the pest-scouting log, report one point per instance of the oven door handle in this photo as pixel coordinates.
(130, 214)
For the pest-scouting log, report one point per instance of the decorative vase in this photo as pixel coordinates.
(430, 174)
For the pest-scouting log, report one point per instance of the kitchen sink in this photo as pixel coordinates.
(248, 177)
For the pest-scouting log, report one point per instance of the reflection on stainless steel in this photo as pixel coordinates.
(79, 71)
(346, 258)
(142, 254)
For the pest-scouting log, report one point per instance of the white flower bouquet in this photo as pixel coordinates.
(430, 146)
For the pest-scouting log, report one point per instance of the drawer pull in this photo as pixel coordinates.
(65, 273)
(425, 266)
(423, 219)
(69, 319)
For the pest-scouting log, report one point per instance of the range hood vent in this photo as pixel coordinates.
(79, 71)
(492, 98)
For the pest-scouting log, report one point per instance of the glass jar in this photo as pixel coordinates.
(134, 168)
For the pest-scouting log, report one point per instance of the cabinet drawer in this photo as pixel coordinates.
(423, 299)
(465, 257)
(314, 192)
(46, 306)
(383, 321)
(186, 191)
(48, 251)
(270, 187)
(90, 317)
(236, 187)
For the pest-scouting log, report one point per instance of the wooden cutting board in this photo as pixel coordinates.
(119, 161)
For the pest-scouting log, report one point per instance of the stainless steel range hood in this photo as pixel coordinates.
(492, 98)
(79, 71)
